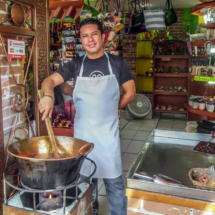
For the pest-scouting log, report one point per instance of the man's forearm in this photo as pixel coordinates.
(48, 87)
(125, 99)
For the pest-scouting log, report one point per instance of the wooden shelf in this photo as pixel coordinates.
(55, 44)
(199, 112)
(133, 47)
(209, 25)
(197, 9)
(201, 43)
(144, 58)
(170, 111)
(170, 93)
(144, 76)
(170, 75)
(144, 40)
(172, 56)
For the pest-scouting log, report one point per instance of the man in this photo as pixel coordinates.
(96, 96)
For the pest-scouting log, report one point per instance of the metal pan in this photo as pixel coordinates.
(40, 171)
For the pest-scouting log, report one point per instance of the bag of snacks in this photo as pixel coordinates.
(205, 176)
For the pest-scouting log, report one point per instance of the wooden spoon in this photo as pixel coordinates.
(52, 138)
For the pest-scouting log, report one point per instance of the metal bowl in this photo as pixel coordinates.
(37, 168)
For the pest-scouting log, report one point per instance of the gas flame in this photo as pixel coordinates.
(50, 196)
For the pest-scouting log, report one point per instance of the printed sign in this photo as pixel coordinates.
(205, 79)
(15, 48)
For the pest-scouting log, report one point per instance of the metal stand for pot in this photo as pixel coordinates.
(75, 184)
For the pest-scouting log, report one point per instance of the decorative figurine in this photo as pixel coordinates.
(178, 50)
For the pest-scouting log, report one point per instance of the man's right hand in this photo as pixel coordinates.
(46, 105)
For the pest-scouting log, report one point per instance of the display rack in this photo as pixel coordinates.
(167, 79)
(198, 9)
(199, 112)
(144, 68)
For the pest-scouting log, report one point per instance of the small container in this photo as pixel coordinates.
(196, 104)
(191, 102)
(202, 106)
(210, 107)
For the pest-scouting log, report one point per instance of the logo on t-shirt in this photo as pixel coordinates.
(96, 74)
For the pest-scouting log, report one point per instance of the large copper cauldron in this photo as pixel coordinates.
(38, 170)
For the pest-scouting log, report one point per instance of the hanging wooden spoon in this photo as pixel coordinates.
(56, 154)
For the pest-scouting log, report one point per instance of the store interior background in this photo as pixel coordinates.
(133, 132)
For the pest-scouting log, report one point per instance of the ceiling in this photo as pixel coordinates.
(176, 3)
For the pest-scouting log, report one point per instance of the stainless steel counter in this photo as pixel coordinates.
(171, 153)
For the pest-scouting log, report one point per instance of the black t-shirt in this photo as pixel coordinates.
(96, 67)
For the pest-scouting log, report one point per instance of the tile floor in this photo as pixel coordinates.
(133, 135)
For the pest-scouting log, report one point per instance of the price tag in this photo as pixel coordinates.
(205, 79)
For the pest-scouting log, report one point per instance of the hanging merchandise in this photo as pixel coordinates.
(137, 17)
(68, 24)
(171, 16)
(126, 15)
(55, 33)
(88, 12)
(111, 25)
(155, 19)
(138, 22)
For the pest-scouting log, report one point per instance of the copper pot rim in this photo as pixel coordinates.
(78, 155)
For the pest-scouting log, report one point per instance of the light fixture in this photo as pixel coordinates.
(211, 82)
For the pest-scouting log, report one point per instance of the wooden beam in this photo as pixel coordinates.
(6, 29)
(172, 200)
(28, 2)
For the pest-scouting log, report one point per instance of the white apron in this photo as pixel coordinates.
(96, 101)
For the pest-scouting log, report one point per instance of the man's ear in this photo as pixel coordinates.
(103, 38)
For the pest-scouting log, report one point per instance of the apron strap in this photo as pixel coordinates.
(109, 66)
(82, 65)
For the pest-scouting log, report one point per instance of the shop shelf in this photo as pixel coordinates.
(147, 58)
(171, 93)
(172, 56)
(68, 132)
(199, 112)
(171, 75)
(201, 43)
(144, 76)
(55, 44)
(209, 25)
(197, 10)
(144, 40)
(202, 78)
(133, 47)
(170, 111)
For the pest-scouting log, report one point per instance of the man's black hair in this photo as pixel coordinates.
(94, 21)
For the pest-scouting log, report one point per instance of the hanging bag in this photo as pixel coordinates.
(138, 22)
(137, 17)
(155, 19)
(171, 16)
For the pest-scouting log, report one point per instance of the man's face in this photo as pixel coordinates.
(91, 38)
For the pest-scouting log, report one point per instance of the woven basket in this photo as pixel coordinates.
(198, 184)
(206, 1)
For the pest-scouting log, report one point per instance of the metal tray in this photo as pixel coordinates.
(171, 153)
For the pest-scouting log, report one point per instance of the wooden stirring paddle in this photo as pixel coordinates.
(56, 154)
